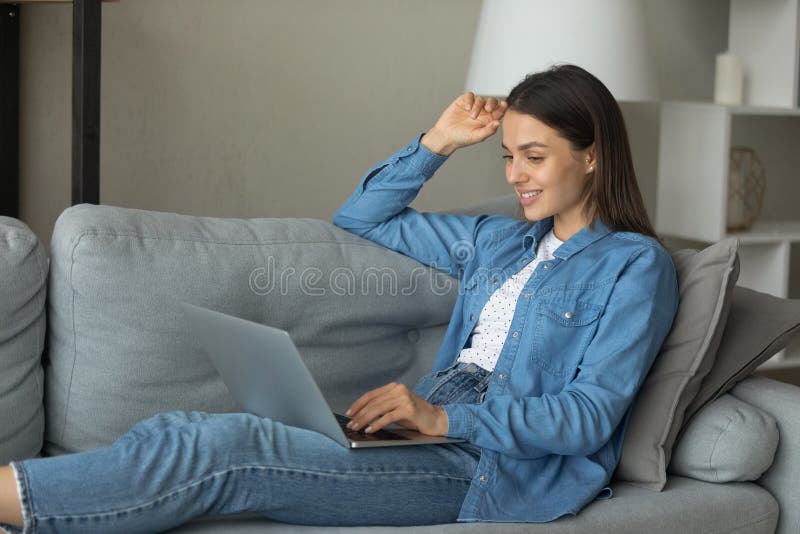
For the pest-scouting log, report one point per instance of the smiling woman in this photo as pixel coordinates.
(537, 375)
(581, 294)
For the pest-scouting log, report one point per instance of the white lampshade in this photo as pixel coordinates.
(605, 37)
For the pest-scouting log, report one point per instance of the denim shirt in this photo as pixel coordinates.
(585, 331)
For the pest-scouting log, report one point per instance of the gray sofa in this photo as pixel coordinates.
(118, 350)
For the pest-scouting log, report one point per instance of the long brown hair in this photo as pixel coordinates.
(582, 110)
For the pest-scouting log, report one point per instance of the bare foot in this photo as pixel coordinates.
(10, 507)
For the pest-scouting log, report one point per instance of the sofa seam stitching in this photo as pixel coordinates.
(715, 471)
(74, 336)
(223, 242)
(44, 271)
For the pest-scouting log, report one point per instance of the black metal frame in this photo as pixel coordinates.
(86, 35)
(9, 110)
(86, 101)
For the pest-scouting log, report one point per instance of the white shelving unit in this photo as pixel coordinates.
(694, 150)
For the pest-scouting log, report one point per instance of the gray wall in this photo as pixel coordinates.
(275, 108)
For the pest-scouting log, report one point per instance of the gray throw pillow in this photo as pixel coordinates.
(23, 287)
(759, 325)
(705, 280)
(728, 441)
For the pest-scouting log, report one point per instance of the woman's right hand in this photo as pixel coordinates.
(468, 120)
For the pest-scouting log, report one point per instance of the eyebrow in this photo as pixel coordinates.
(526, 146)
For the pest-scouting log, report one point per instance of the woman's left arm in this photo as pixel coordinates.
(581, 418)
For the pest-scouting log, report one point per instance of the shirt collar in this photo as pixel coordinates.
(582, 239)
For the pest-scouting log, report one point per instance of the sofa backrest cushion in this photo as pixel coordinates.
(23, 288)
(119, 346)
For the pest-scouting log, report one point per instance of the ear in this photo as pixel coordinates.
(590, 159)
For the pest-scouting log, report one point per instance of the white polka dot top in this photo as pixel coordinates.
(489, 334)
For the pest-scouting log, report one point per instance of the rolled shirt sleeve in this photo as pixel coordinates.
(378, 210)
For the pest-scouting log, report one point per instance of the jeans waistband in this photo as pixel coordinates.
(465, 367)
(479, 374)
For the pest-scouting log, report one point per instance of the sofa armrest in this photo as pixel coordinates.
(782, 401)
(23, 288)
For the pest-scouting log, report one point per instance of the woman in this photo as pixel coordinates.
(559, 319)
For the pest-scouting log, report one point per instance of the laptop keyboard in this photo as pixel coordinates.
(360, 435)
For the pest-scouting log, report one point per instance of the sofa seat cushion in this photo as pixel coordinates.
(686, 506)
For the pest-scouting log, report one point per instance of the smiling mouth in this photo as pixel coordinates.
(531, 194)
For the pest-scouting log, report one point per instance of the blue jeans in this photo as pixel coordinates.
(175, 466)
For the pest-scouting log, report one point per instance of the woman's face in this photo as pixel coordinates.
(546, 173)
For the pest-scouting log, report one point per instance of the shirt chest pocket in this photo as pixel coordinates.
(564, 327)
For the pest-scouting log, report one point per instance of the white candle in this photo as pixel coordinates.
(728, 80)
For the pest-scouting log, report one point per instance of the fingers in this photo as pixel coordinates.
(467, 100)
(499, 110)
(478, 105)
(469, 119)
(382, 413)
(485, 131)
(495, 108)
(385, 419)
(368, 397)
(381, 401)
(376, 406)
(399, 404)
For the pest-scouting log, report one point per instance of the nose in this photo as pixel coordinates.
(515, 174)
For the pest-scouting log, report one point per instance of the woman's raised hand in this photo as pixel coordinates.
(468, 120)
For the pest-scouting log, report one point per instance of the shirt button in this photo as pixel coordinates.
(545, 266)
(527, 295)
(515, 334)
(568, 315)
(502, 376)
(494, 281)
(482, 478)
(471, 316)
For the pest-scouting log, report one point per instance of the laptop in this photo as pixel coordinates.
(264, 373)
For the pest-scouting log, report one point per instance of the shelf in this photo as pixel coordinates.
(769, 111)
(695, 141)
(692, 188)
(770, 232)
(764, 110)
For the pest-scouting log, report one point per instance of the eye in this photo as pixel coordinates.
(507, 157)
(535, 159)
